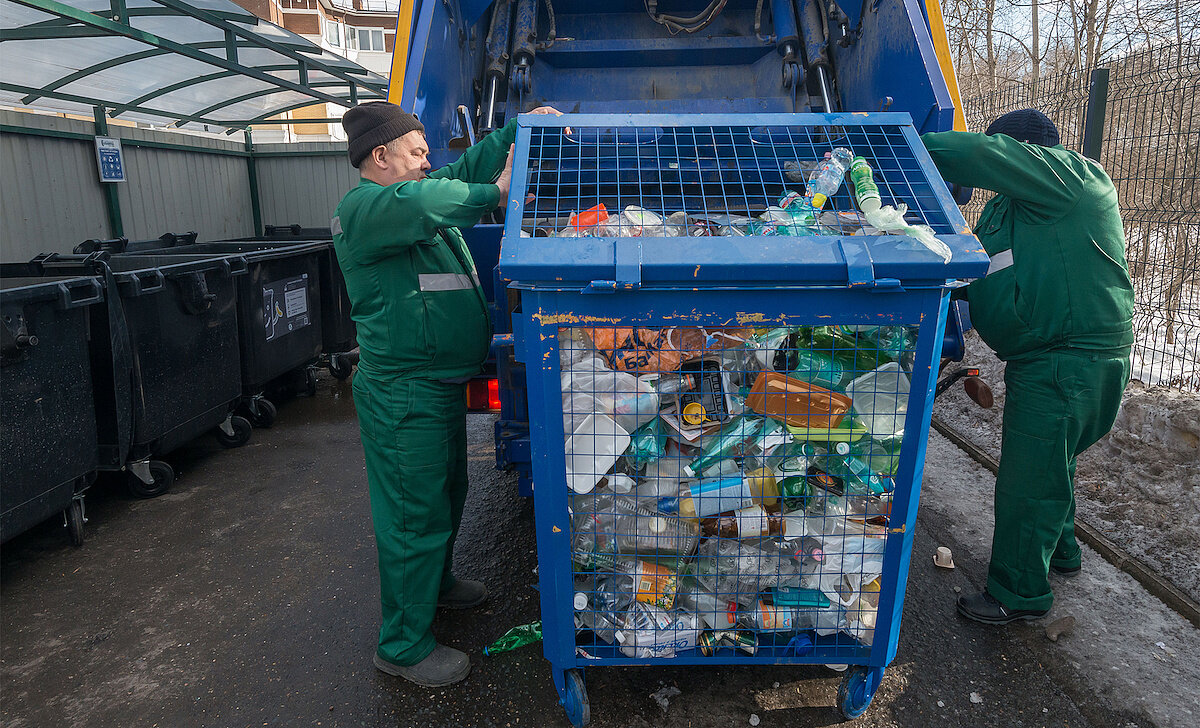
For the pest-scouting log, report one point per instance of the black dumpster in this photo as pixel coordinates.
(48, 450)
(164, 362)
(337, 328)
(279, 301)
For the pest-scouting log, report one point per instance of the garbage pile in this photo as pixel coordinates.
(794, 214)
(730, 487)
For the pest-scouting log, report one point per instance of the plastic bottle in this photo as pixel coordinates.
(716, 613)
(856, 476)
(732, 435)
(605, 525)
(710, 496)
(754, 522)
(866, 192)
(828, 178)
(518, 636)
(739, 571)
(642, 581)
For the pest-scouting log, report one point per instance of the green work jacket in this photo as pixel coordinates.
(1058, 277)
(414, 291)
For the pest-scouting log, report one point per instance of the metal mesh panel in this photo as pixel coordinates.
(711, 180)
(1151, 149)
(731, 487)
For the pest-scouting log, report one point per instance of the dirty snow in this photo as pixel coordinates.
(1113, 649)
(1140, 485)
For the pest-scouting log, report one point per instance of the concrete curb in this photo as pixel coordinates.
(1171, 595)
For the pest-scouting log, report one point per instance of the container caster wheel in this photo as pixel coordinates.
(161, 475)
(340, 367)
(262, 413)
(857, 689)
(310, 381)
(234, 432)
(575, 699)
(73, 515)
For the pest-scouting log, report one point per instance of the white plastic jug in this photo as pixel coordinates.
(592, 450)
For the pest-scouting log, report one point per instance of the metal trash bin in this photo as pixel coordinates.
(728, 430)
(164, 354)
(338, 333)
(48, 453)
(279, 304)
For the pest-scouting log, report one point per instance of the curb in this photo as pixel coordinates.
(1171, 595)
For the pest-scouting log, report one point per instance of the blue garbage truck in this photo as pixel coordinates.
(467, 67)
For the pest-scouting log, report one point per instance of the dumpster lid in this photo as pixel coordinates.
(713, 166)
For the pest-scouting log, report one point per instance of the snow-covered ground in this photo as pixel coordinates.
(1127, 648)
(1140, 485)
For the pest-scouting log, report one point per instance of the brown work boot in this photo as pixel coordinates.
(444, 666)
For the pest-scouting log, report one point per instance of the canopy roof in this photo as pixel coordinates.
(168, 62)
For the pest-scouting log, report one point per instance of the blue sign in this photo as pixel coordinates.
(110, 159)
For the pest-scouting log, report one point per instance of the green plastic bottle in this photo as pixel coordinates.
(519, 636)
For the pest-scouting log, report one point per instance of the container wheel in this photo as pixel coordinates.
(263, 413)
(163, 477)
(340, 366)
(241, 432)
(310, 381)
(575, 700)
(857, 689)
(75, 520)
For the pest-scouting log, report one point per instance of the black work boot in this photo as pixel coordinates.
(983, 607)
(444, 666)
(1063, 571)
(465, 593)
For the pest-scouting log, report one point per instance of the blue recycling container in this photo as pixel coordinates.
(728, 406)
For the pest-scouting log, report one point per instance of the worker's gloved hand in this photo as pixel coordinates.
(961, 195)
(505, 178)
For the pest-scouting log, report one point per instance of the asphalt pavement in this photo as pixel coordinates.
(248, 596)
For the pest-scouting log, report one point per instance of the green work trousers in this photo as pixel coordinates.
(415, 441)
(1056, 406)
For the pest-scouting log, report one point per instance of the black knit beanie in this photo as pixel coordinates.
(373, 123)
(1026, 125)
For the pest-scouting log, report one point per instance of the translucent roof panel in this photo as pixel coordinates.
(166, 62)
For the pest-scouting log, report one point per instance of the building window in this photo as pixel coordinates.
(333, 33)
(367, 39)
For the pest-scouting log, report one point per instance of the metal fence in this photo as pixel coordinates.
(1140, 117)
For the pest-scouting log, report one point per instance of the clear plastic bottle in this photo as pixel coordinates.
(739, 571)
(715, 612)
(641, 581)
(643, 530)
(828, 178)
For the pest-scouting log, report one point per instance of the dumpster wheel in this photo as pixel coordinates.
(75, 520)
(162, 478)
(340, 366)
(575, 699)
(262, 412)
(857, 689)
(239, 434)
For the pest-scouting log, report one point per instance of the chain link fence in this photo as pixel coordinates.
(1140, 116)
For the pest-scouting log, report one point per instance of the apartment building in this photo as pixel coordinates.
(363, 31)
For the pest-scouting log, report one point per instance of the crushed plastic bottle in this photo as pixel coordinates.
(519, 636)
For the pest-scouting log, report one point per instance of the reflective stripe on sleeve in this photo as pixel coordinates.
(445, 282)
(335, 225)
(1000, 261)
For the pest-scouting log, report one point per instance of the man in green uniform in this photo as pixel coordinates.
(423, 332)
(1057, 307)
